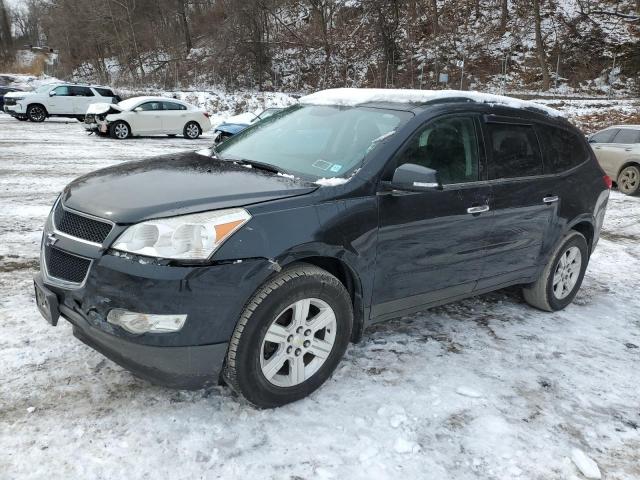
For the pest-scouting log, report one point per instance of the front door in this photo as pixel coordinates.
(61, 101)
(430, 244)
(147, 118)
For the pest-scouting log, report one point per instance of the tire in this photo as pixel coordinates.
(543, 294)
(192, 131)
(629, 180)
(36, 113)
(119, 130)
(271, 310)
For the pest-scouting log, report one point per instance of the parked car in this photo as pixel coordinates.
(617, 149)
(238, 123)
(258, 262)
(56, 100)
(3, 92)
(147, 116)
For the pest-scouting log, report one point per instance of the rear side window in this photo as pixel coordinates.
(173, 106)
(81, 92)
(104, 92)
(515, 151)
(627, 135)
(604, 136)
(562, 149)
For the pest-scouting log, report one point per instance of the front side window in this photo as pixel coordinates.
(604, 136)
(447, 145)
(562, 149)
(627, 136)
(514, 151)
(151, 107)
(315, 141)
(62, 91)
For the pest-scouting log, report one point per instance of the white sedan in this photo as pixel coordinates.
(147, 116)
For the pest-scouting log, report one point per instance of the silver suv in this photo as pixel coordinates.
(617, 149)
(57, 100)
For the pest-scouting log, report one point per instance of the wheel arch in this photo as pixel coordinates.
(33, 104)
(347, 276)
(587, 230)
(123, 121)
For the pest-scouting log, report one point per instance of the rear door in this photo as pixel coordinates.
(82, 98)
(431, 247)
(174, 117)
(524, 201)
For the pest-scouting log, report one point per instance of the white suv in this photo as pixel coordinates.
(56, 100)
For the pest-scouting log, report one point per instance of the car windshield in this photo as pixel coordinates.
(315, 141)
(43, 88)
(129, 103)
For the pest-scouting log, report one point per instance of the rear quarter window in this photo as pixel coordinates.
(562, 149)
(514, 151)
(604, 136)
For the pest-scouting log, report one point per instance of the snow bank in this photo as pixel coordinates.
(587, 466)
(359, 96)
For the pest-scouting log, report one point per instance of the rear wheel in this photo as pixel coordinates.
(119, 130)
(36, 113)
(192, 130)
(290, 338)
(629, 180)
(562, 276)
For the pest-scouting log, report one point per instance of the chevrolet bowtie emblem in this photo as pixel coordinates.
(51, 240)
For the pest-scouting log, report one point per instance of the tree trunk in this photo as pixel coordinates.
(434, 13)
(504, 15)
(542, 56)
(182, 13)
(6, 39)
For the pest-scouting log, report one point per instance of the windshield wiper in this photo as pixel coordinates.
(259, 165)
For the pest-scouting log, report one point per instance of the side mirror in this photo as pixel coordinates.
(137, 109)
(52, 93)
(414, 178)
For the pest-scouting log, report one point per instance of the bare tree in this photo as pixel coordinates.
(542, 56)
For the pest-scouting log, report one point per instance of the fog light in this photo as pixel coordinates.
(139, 323)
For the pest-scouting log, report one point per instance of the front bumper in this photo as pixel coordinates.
(212, 296)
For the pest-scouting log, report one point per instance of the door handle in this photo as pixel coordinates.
(552, 199)
(480, 209)
(627, 149)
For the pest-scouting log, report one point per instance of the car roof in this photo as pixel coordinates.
(408, 99)
(149, 98)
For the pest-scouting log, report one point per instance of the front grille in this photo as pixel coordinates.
(9, 101)
(90, 118)
(64, 266)
(79, 226)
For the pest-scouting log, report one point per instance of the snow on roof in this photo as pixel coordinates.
(131, 103)
(358, 96)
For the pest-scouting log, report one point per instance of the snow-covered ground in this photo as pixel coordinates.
(484, 388)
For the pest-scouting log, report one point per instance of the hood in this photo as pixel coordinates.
(102, 107)
(232, 128)
(175, 184)
(20, 94)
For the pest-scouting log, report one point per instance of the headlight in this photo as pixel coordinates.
(193, 237)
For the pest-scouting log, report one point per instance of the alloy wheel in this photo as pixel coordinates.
(37, 114)
(567, 272)
(629, 179)
(298, 342)
(192, 130)
(121, 131)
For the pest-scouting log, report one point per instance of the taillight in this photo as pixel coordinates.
(206, 114)
(607, 181)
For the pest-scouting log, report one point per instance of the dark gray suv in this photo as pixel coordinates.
(256, 264)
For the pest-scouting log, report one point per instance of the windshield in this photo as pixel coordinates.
(315, 141)
(129, 103)
(43, 88)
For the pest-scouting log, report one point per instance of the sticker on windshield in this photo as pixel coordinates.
(335, 168)
(321, 164)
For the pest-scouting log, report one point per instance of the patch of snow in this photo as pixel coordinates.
(101, 107)
(402, 445)
(357, 96)
(207, 152)
(468, 392)
(286, 175)
(331, 182)
(587, 466)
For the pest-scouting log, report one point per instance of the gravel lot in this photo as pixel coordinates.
(483, 388)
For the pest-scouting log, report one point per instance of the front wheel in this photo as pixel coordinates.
(192, 131)
(629, 180)
(290, 338)
(562, 276)
(36, 113)
(119, 130)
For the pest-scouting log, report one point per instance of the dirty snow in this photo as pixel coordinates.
(359, 96)
(399, 404)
